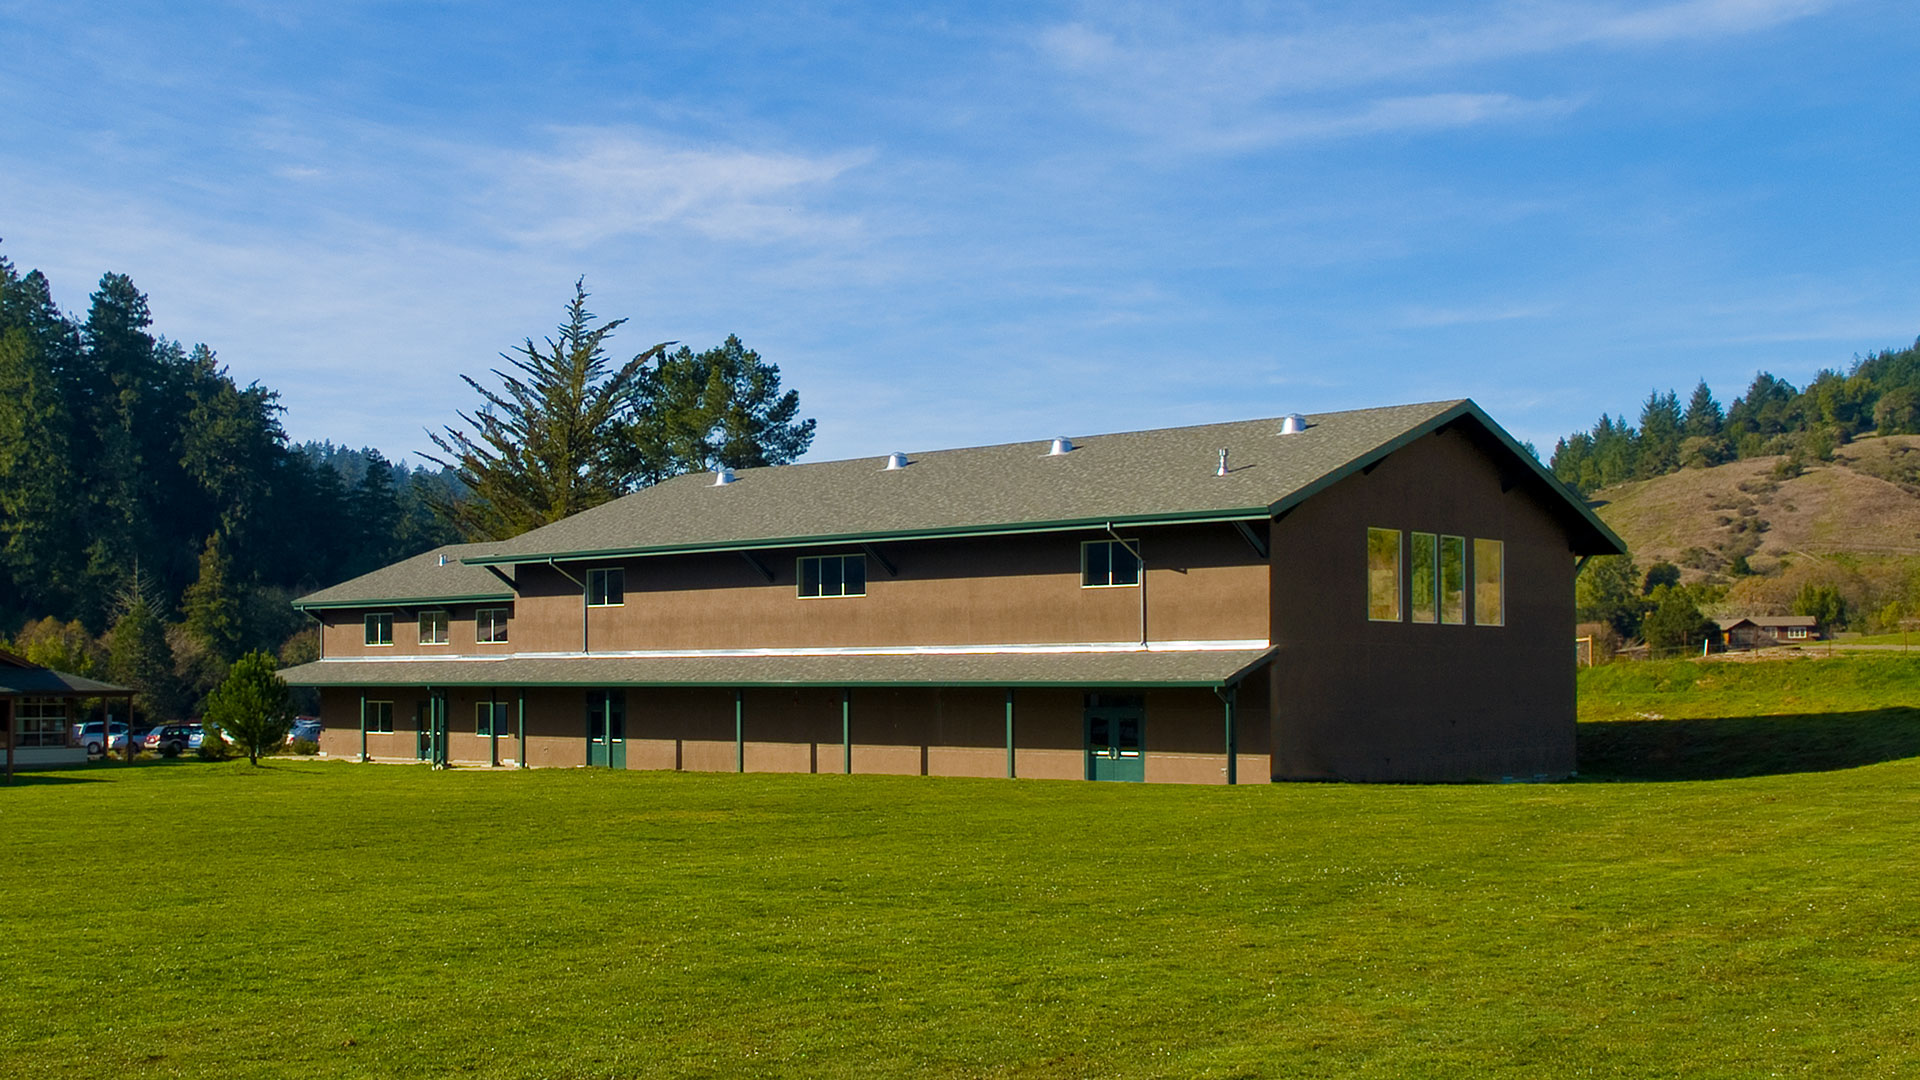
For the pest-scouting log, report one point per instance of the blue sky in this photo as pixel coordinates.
(988, 223)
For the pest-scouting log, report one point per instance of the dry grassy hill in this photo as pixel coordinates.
(1865, 502)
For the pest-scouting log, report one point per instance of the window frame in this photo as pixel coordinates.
(48, 716)
(444, 625)
(385, 620)
(603, 575)
(1480, 546)
(1130, 545)
(1459, 612)
(1400, 604)
(482, 617)
(800, 576)
(1413, 553)
(494, 710)
(376, 726)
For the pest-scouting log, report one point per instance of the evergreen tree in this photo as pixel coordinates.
(253, 704)
(1659, 435)
(212, 606)
(699, 411)
(139, 657)
(542, 448)
(1608, 591)
(1703, 416)
(1675, 624)
(1823, 602)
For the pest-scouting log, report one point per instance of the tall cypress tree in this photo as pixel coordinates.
(212, 606)
(138, 656)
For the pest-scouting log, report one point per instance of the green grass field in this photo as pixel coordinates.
(1725, 914)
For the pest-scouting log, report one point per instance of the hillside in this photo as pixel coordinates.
(1866, 502)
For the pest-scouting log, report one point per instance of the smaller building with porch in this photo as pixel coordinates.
(38, 707)
(1763, 631)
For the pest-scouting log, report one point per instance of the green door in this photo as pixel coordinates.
(1116, 746)
(607, 729)
(423, 724)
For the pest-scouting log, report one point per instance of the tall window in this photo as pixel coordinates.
(1423, 589)
(380, 717)
(490, 625)
(1453, 580)
(1489, 583)
(1383, 575)
(490, 718)
(832, 575)
(380, 629)
(433, 628)
(1109, 562)
(40, 722)
(607, 587)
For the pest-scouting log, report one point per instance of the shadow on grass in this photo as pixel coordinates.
(1723, 747)
(48, 778)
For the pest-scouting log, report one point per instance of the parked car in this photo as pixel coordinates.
(91, 735)
(305, 728)
(169, 741)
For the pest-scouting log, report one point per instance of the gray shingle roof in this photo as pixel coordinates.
(419, 578)
(1140, 476)
(21, 678)
(1088, 669)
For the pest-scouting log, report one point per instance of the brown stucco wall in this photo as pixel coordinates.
(1203, 582)
(910, 731)
(344, 633)
(1360, 700)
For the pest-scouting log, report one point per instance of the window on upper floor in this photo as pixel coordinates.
(1109, 563)
(606, 587)
(433, 628)
(1489, 583)
(1453, 580)
(490, 625)
(831, 575)
(1383, 575)
(380, 628)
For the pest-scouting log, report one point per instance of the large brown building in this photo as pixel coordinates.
(1383, 594)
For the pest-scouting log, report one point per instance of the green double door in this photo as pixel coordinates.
(1116, 746)
(607, 729)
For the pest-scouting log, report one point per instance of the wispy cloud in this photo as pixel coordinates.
(596, 184)
(1238, 87)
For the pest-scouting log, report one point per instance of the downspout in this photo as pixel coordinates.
(1141, 564)
(583, 613)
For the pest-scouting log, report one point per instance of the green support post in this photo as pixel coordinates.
(739, 734)
(521, 758)
(846, 730)
(363, 727)
(1233, 763)
(1009, 732)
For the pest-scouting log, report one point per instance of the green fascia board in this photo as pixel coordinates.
(1250, 513)
(1419, 431)
(1109, 684)
(404, 601)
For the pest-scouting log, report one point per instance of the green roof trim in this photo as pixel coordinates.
(402, 601)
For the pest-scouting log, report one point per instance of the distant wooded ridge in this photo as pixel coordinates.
(1880, 392)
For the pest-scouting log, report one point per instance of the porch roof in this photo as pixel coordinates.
(1084, 668)
(20, 677)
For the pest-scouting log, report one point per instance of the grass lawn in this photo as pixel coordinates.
(325, 919)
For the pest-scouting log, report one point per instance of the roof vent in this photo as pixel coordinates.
(897, 460)
(1292, 424)
(1223, 462)
(443, 558)
(1061, 445)
(723, 476)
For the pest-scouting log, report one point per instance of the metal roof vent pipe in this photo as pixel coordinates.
(1061, 445)
(897, 460)
(723, 476)
(1223, 462)
(1292, 424)
(443, 559)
